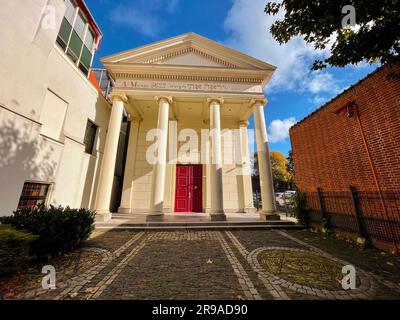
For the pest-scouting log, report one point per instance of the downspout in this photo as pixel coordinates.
(352, 109)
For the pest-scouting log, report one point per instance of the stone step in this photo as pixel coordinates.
(199, 226)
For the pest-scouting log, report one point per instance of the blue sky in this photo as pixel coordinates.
(294, 91)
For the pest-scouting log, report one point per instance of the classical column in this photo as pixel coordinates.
(245, 187)
(268, 211)
(126, 197)
(216, 182)
(158, 179)
(106, 177)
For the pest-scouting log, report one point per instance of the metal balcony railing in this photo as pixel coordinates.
(105, 82)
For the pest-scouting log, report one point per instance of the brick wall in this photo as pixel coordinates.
(329, 153)
(328, 149)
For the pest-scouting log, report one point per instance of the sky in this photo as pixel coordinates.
(294, 90)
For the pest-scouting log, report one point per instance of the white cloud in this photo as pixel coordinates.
(141, 22)
(248, 27)
(143, 17)
(318, 100)
(321, 82)
(278, 130)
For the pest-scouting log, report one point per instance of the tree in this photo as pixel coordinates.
(375, 37)
(290, 170)
(280, 174)
(279, 171)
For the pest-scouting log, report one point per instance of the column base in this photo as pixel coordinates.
(155, 217)
(269, 215)
(217, 216)
(250, 210)
(124, 210)
(103, 217)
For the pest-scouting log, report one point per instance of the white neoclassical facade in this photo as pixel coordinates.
(187, 87)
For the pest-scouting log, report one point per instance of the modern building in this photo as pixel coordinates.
(347, 160)
(63, 142)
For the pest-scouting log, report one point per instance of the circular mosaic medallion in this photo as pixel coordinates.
(306, 271)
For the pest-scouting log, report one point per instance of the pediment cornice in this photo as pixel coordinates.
(188, 57)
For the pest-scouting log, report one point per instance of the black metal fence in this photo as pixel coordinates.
(365, 214)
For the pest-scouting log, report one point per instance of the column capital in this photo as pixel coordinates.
(258, 101)
(243, 123)
(167, 98)
(220, 101)
(119, 97)
(134, 119)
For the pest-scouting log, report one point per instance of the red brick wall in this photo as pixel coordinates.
(328, 150)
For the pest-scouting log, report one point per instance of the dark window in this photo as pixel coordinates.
(33, 194)
(90, 136)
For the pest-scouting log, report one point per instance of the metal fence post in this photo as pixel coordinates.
(321, 202)
(357, 212)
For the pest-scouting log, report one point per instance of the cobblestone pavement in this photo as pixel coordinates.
(210, 265)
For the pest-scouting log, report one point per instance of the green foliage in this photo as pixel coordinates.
(59, 229)
(290, 169)
(376, 37)
(15, 247)
(283, 179)
(300, 209)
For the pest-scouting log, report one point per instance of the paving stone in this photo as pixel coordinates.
(176, 265)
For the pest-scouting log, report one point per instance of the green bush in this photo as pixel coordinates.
(15, 247)
(59, 229)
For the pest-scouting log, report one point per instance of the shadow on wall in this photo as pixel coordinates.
(23, 156)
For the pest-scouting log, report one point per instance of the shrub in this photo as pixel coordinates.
(15, 247)
(299, 208)
(59, 229)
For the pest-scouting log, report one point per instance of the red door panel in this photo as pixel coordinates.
(197, 180)
(188, 193)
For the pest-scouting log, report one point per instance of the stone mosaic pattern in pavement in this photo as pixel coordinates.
(200, 265)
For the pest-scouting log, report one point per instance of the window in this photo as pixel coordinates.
(33, 194)
(76, 37)
(90, 137)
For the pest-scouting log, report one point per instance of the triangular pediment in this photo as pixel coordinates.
(194, 59)
(188, 50)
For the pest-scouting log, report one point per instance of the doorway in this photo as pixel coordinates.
(189, 189)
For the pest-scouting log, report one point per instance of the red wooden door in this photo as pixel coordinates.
(188, 192)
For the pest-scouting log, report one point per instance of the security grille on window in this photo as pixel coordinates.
(76, 37)
(33, 194)
(90, 137)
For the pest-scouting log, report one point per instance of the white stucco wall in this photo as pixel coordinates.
(30, 65)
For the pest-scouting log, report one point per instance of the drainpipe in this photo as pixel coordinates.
(351, 109)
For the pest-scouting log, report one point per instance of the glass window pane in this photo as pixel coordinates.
(65, 31)
(75, 44)
(86, 57)
(80, 26)
(70, 11)
(89, 40)
(90, 136)
(84, 69)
